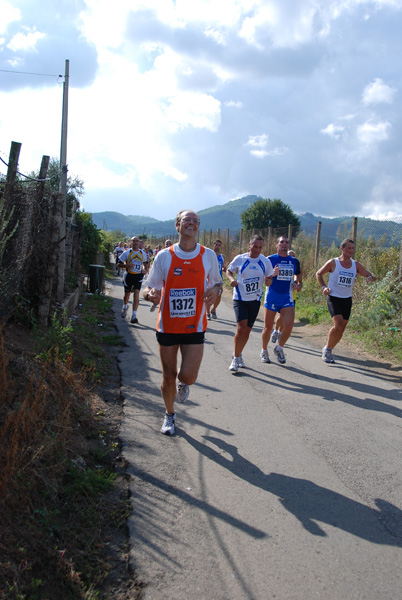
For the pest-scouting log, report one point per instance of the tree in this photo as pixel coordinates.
(269, 213)
(75, 185)
(92, 239)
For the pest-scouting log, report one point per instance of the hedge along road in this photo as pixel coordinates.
(283, 481)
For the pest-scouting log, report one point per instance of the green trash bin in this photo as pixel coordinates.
(96, 273)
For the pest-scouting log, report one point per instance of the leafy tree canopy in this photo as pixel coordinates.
(75, 185)
(93, 239)
(269, 213)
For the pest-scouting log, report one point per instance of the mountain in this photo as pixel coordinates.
(225, 216)
(129, 224)
(334, 229)
(228, 216)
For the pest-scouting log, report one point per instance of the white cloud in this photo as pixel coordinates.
(25, 41)
(385, 198)
(278, 151)
(9, 14)
(259, 153)
(234, 104)
(333, 131)
(216, 35)
(194, 110)
(371, 133)
(378, 92)
(259, 141)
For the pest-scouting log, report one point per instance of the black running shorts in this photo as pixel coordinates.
(132, 282)
(246, 310)
(174, 339)
(339, 306)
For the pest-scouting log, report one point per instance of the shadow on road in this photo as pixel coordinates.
(308, 502)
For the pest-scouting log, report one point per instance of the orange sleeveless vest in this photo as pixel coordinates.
(181, 309)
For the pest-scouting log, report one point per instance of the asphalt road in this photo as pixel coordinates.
(283, 481)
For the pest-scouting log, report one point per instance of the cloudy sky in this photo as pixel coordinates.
(191, 103)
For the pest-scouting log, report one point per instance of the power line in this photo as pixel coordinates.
(26, 73)
(27, 177)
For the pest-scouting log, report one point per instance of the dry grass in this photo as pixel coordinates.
(63, 493)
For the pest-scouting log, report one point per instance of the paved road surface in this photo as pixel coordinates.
(282, 482)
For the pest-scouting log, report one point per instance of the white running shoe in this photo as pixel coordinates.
(327, 355)
(240, 361)
(208, 316)
(280, 357)
(264, 356)
(213, 314)
(168, 424)
(183, 391)
(275, 336)
(124, 311)
(234, 365)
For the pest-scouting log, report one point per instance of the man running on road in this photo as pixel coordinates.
(342, 274)
(133, 261)
(251, 270)
(279, 298)
(183, 278)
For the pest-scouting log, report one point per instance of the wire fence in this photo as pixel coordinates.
(39, 248)
(376, 242)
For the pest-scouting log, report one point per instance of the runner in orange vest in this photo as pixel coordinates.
(183, 279)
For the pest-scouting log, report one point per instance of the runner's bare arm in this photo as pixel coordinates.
(327, 268)
(231, 278)
(364, 273)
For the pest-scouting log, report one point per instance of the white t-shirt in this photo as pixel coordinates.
(162, 262)
(251, 273)
(136, 260)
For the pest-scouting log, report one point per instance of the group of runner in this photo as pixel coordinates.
(185, 282)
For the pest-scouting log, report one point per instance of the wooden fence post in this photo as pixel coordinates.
(55, 216)
(354, 231)
(290, 231)
(269, 239)
(317, 244)
(11, 173)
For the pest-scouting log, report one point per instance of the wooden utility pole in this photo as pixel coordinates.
(317, 243)
(64, 121)
(63, 189)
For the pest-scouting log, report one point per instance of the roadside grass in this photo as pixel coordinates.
(63, 497)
